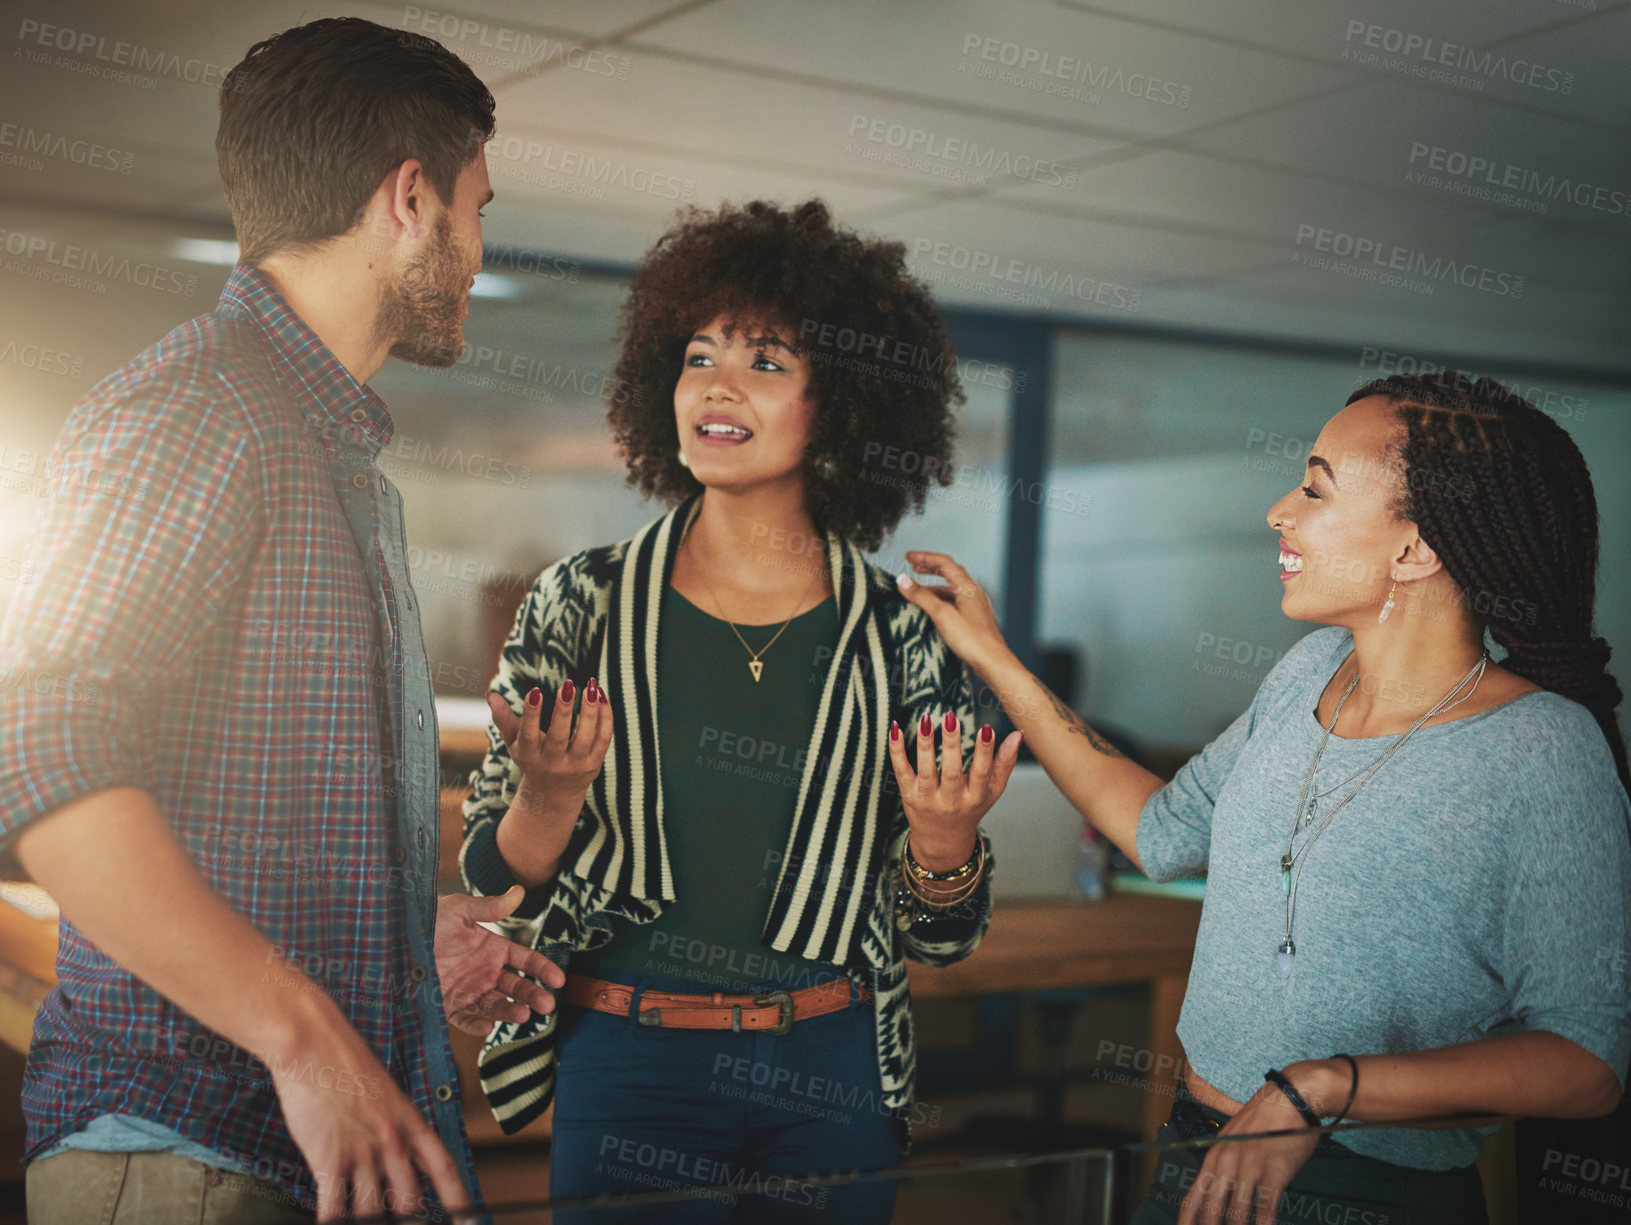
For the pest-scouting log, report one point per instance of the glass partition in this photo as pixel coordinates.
(1097, 1186)
(1075, 1188)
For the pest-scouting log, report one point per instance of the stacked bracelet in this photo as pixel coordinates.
(939, 899)
(917, 885)
(976, 861)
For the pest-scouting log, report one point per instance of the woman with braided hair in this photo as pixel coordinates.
(1417, 856)
(1534, 542)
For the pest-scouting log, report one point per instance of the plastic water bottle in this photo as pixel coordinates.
(1092, 864)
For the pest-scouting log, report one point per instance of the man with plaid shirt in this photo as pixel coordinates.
(240, 828)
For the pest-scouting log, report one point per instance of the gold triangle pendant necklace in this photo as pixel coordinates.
(755, 662)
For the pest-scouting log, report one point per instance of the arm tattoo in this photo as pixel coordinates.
(1073, 721)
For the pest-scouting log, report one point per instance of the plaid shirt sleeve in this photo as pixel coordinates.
(150, 518)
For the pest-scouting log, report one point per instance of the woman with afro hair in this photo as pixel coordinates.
(771, 795)
(1418, 874)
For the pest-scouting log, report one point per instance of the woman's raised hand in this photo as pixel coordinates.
(944, 803)
(960, 609)
(557, 761)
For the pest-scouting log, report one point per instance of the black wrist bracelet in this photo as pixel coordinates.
(1353, 1089)
(1296, 1099)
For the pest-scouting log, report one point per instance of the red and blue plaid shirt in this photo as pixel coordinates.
(221, 614)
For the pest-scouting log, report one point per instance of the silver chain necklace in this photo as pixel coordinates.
(1292, 863)
(1372, 766)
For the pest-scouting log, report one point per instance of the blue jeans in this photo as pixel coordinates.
(640, 1109)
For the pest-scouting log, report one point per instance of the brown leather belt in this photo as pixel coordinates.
(774, 1012)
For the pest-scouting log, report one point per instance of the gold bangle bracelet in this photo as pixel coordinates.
(937, 899)
(944, 901)
(936, 906)
(943, 890)
(950, 903)
(971, 867)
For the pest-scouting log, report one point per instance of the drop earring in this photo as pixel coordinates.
(1387, 609)
(684, 463)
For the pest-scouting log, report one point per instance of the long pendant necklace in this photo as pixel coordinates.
(1294, 860)
(755, 663)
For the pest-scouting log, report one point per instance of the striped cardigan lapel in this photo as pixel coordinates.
(630, 855)
(826, 873)
(834, 846)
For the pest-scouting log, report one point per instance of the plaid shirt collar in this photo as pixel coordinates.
(331, 399)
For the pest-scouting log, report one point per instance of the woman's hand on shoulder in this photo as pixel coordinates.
(959, 608)
(944, 803)
(558, 762)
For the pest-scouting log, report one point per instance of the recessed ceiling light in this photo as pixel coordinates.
(205, 251)
(217, 251)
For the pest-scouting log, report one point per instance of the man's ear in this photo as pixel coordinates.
(395, 210)
(405, 201)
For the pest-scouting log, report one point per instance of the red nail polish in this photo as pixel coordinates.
(951, 721)
(925, 726)
(567, 691)
(894, 730)
(987, 735)
(536, 697)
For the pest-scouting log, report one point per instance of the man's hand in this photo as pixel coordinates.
(356, 1129)
(111, 854)
(486, 977)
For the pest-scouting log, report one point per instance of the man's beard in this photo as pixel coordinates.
(423, 311)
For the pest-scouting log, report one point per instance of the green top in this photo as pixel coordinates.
(732, 755)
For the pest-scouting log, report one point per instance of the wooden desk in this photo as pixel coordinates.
(1126, 938)
(28, 959)
(1031, 946)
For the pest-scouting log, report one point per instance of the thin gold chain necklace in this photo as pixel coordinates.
(755, 663)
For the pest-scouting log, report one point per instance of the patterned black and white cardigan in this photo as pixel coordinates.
(596, 614)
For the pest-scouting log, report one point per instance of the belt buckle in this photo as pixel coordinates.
(783, 1001)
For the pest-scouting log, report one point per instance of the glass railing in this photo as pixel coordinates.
(1096, 1186)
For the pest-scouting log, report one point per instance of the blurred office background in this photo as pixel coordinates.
(1117, 237)
(1150, 221)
